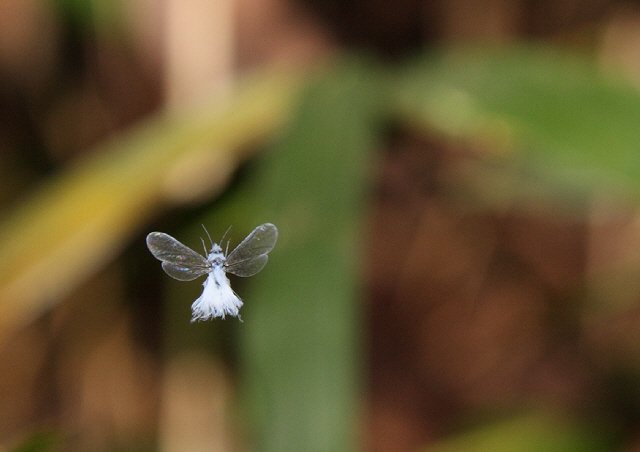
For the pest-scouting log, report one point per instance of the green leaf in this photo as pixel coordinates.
(542, 108)
(41, 441)
(528, 433)
(301, 330)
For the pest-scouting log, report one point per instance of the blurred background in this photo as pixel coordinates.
(456, 185)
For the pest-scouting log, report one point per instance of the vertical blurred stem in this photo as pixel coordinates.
(199, 48)
(198, 52)
(300, 339)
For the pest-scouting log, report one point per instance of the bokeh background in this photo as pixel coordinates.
(456, 185)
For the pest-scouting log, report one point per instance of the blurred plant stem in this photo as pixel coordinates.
(300, 344)
(77, 221)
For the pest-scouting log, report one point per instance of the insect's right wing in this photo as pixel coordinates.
(178, 260)
(248, 267)
(250, 256)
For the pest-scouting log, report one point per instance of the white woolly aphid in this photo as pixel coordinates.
(218, 298)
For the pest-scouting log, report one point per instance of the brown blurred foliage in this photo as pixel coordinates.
(484, 320)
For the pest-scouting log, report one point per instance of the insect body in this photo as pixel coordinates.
(184, 264)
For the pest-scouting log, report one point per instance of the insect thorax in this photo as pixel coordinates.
(216, 256)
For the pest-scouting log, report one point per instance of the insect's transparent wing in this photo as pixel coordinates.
(249, 267)
(180, 259)
(182, 273)
(250, 256)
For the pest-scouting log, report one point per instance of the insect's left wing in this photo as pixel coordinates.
(250, 256)
(182, 273)
(178, 260)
